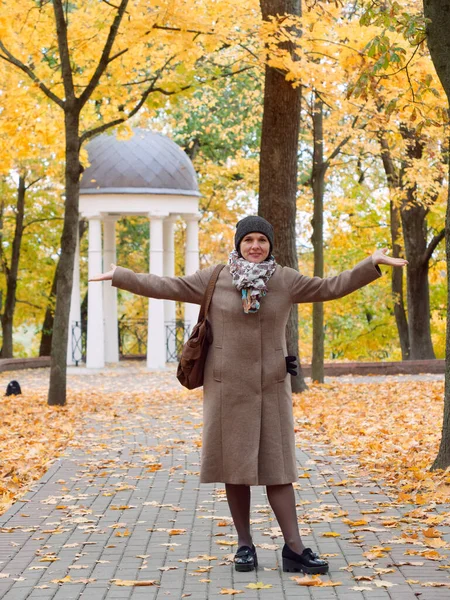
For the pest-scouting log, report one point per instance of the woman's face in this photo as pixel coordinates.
(255, 247)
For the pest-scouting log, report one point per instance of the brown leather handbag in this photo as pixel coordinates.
(193, 355)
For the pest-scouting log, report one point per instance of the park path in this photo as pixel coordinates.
(124, 504)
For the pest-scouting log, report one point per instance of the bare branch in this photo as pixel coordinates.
(110, 4)
(342, 142)
(27, 187)
(104, 59)
(100, 129)
(8, 57)
(432, 246)
(41, 221)
(151, 89)
(117, 55)
(63, 48)
(28, 303)
(164, 28)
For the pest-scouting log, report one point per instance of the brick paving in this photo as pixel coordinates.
(125, 503)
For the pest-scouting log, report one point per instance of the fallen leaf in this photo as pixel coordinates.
(259, 585)
(385, 584)
(361, 589)
(314, 581)
(226, 542)
(66, 579)
(137, 583)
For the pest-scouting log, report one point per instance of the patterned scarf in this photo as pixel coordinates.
(251, 279)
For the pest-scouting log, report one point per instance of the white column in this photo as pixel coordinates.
(74, 352)
(169, 271)
(95, 351)
(191, 264)
(110, 292)
(156, 337)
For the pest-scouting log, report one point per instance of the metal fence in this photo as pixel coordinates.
(133, 339)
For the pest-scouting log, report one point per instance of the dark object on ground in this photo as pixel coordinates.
(13, 388)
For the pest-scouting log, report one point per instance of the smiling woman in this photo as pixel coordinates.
(255, 247)
(248, 426)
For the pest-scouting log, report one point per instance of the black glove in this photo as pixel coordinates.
(291, 365)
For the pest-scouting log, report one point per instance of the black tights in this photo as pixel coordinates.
(282, 501)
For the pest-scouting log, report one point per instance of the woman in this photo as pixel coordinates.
(248, 433)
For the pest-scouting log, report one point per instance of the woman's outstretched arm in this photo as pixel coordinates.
(189, 288)
(317, 289)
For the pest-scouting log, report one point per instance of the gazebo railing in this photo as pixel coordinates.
(78, 342)
(133, 338)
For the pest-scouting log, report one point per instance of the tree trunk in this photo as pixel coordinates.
(57, 388)
(397, 284)
(318, 185)
(438, 11)
(414, 232)
(2, 255)
(413, 215)
(393, 180)
(7, 317)
(278, 168)
(47, 326)
(442, 460)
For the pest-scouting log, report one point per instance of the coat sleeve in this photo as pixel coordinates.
(190, 288)
(316, 289)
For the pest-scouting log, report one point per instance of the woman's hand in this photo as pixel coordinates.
(379, 257)
(104, 276)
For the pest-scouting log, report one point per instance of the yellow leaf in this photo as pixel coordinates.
(259, 585)
(314, 581)
(66, 579)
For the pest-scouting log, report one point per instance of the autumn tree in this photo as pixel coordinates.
(31, 161)
(438, 26)
(99, 63)
(279, 155)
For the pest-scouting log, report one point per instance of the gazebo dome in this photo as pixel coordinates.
(146, 163)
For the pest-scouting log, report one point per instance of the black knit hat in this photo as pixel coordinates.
(250, 225)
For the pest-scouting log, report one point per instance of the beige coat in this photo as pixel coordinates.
(248, 425)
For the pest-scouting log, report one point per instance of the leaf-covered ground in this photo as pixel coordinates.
(384, 435)
(392, 429)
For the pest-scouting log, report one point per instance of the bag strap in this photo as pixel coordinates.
(204, 307)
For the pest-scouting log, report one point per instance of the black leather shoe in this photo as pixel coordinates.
(245, 558)
(308, 562)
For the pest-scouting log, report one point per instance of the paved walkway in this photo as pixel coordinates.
(124, 504)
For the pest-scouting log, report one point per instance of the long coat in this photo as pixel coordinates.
(248, 425)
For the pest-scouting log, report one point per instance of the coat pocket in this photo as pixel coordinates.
(281, 365)
(217, 364)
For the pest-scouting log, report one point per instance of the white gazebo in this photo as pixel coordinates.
(147, 175)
